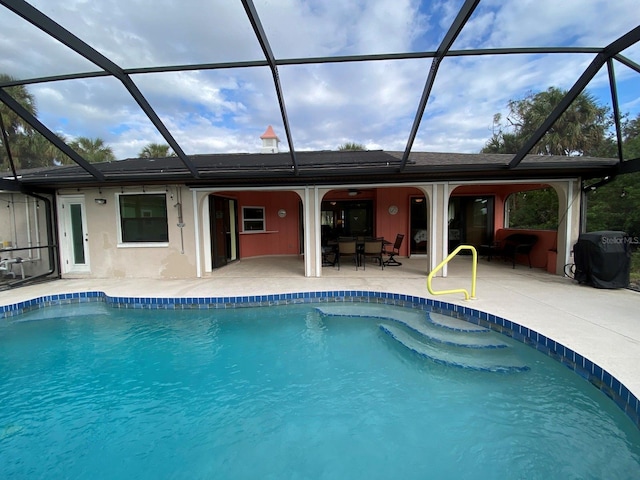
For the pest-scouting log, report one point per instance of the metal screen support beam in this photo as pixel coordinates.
(7, 147)
(47, 25)
(629, 166)
(455, 29)
(10, 102)
(5, 184)
(629, 63)
(254, 18)
(594, 67)
(616, 107)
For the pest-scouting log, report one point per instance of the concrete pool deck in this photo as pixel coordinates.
(601, 325)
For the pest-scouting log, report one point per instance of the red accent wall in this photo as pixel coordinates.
(387, 225)
(283, 234)
(547, 240)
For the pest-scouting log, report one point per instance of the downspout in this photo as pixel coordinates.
(37, 230)
(13, 228)
(28, 221)
(181, 223)
(584, 199)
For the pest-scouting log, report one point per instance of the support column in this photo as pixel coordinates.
(569, 199)
(311, 201)
(438, 197)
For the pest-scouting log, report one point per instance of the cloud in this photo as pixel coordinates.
(590, 23)
(374, 103)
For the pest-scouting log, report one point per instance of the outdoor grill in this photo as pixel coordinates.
(603, 259)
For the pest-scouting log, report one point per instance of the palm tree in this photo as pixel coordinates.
(156, 150)
(46, 153)
(580, 130)
(93, 150)
(12, 122)
(15, 127)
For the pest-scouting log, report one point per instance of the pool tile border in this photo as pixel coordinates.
(581, 365)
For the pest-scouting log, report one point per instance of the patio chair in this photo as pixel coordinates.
(514, 245)
(518, 244)
(329, 255)
(372, 249)
(347, 248)
(6, 265)
(395, 250)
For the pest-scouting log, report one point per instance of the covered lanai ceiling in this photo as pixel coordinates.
(208, 76)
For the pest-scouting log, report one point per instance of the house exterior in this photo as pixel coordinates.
(187, 216)
(152, 218)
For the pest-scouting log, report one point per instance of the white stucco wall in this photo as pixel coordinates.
(110, 258)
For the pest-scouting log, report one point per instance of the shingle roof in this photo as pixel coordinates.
(320, 167)
(451, 33)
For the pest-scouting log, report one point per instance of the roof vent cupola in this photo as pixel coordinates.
(269, 141)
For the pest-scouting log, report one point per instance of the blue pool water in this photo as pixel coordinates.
(88, 391)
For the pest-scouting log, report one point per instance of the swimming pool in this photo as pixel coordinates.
(295, 391)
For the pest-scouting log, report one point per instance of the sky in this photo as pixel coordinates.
(371, 103)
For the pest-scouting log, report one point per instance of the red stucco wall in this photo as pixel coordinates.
(547, 240)
(385, 224)
(283, 234)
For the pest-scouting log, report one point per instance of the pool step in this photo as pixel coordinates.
(455, 324)
(482, 360)
(59, 312)
(453, 333)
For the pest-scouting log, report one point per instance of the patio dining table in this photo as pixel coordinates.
(332, 248)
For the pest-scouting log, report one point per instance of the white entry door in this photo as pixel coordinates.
(74, 237)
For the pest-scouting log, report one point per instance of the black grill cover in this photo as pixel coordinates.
(603, 259)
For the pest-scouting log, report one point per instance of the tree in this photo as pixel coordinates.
(156, 150)
(15, 127)
(502, 141)
(351, 146)
(631, 138)
(581, 130)
(535, 209)
(93, 150)
(37, 151)
(614, 206)
(29, 149)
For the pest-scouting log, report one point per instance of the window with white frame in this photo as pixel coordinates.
(253, 219)
(143, 218)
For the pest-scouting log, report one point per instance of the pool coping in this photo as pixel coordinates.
(588, 370)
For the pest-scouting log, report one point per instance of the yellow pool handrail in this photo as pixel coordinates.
(474, 267)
